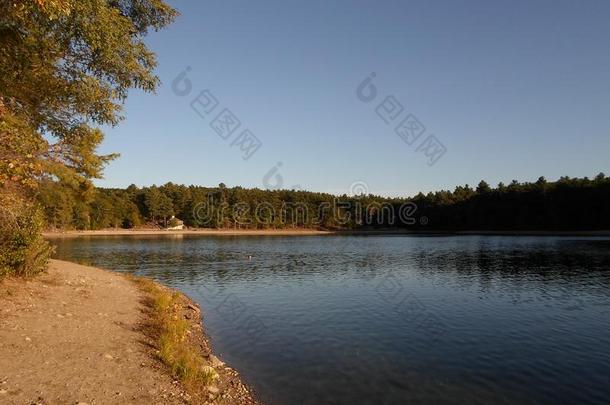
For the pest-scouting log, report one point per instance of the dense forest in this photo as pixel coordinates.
(566, 204)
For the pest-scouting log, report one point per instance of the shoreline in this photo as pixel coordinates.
(197, 232)
(82, 334)
(310, 232)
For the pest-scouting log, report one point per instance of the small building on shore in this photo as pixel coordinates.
(175, 224)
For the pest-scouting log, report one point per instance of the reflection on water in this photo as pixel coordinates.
(391, 319)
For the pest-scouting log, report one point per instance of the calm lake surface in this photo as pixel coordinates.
(391, 319)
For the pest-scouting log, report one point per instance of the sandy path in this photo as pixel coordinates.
(72, 336)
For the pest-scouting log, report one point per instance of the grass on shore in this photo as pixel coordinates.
(185, 361)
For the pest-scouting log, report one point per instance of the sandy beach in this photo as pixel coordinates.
(78, 335)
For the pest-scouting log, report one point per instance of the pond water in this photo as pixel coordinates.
(391, 319)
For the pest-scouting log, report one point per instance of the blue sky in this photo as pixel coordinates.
(513, 90)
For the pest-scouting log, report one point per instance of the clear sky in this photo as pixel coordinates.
(512, 89)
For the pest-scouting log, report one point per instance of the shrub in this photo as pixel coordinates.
(174, 349)
(23, 251)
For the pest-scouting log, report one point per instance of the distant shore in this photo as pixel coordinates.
(308, 232)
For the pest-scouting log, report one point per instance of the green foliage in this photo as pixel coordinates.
(66, 67)
(174, 348)
(23, 251)
(20, 151)
(158, 204)
(568, 204)
(483, 187)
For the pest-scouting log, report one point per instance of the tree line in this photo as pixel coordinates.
(565, 204)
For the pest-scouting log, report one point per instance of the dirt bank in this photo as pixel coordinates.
(79, 334)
